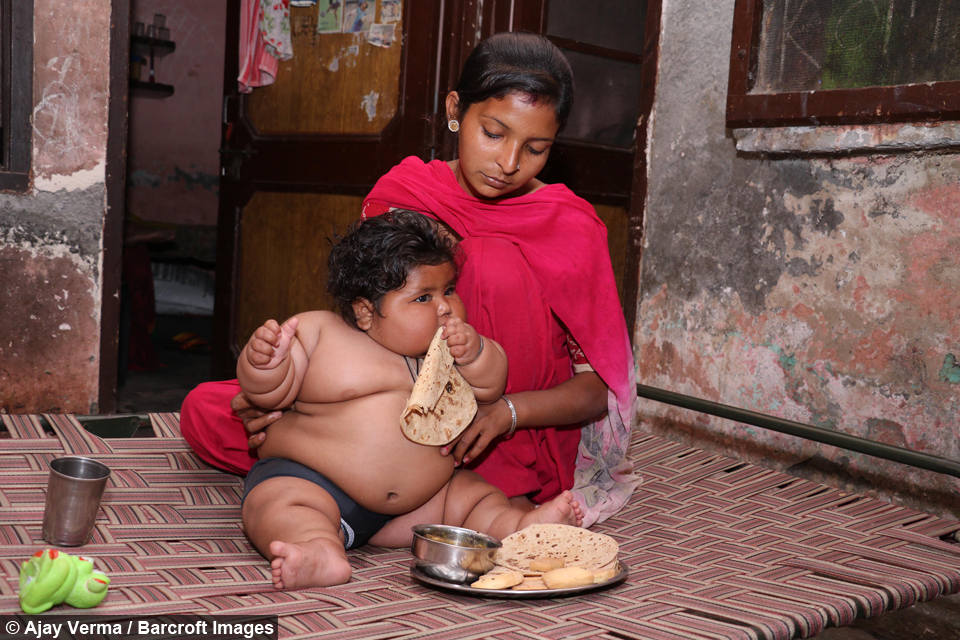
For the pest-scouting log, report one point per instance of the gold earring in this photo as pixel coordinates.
(453, 125)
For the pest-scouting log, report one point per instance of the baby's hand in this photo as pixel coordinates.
(270, 344)
(462, 339)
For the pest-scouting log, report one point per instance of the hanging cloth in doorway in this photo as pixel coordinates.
(258, 67)
(275, 28)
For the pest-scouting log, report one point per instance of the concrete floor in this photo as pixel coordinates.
(163, 390)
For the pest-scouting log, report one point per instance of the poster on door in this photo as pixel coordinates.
(390, 11)
(358, 15)
(330, 16)
(381, 35)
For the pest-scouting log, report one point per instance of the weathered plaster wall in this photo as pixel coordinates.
(172, 174)
(50, 238)
(821, 290)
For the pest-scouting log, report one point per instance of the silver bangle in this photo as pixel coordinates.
(474, 358)
(513, 417)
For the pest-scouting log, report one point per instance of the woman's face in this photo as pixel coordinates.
(503, 144)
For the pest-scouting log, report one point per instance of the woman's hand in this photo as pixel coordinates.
(582, 397)
(255, 419)
(492, 420)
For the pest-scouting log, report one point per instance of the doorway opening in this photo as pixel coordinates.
(177, 52)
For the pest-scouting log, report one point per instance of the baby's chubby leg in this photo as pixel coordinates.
(473, 503)
(470, 501)
(296, 525)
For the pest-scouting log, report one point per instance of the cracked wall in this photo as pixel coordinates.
(51, 237)
(819, 289)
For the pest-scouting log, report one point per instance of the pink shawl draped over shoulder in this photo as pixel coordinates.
(565, 245)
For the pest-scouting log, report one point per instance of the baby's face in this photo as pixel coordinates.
(409, 317)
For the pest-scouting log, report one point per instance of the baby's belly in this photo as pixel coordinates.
(359, 446)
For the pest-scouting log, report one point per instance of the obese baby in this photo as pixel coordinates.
(336, 471)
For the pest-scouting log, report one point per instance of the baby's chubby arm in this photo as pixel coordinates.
(485, 371)
(271, 367)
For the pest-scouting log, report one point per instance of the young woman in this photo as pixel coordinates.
(536, 278)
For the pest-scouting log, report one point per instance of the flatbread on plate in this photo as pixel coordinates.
(575, 546)
(442, 404)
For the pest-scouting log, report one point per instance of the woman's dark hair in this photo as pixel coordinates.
(515, 62)
(377, 254)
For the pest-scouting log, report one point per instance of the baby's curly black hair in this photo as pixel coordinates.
(377, 254)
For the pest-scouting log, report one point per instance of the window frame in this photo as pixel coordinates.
(16, 84)
(922, 102)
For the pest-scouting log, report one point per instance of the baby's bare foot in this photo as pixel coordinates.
(561, 510)
(315, 563)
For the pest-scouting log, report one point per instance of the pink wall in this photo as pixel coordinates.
(172, 174)
(819, 285)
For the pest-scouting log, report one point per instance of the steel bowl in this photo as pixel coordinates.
(453, 554)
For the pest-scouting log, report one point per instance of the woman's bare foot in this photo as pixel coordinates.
(561, 510)
(315, 563)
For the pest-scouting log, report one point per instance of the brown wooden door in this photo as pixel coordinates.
(298, 156)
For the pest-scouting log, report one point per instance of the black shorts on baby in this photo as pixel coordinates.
(357, 523)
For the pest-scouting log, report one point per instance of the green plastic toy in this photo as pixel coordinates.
(52, 577)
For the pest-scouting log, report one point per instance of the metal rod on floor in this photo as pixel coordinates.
(817, 434)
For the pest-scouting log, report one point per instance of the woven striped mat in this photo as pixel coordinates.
(716, 549)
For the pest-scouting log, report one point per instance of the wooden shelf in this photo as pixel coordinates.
(142, 45)
(150, 49)
(153, 90)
